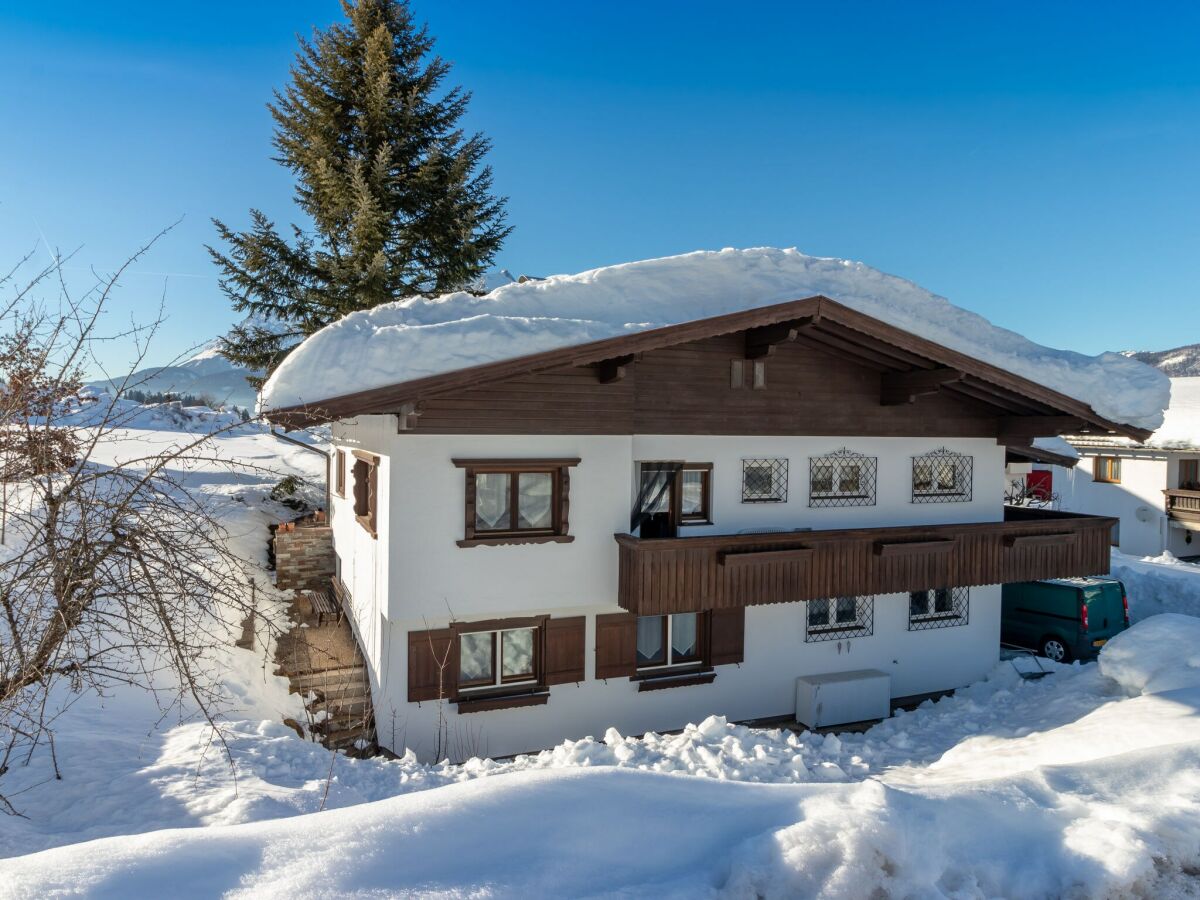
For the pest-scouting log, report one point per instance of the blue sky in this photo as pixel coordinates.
(1036, 163)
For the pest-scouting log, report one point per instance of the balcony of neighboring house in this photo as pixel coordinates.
(1183, 502)
(667, 574)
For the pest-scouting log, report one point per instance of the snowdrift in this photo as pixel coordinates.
(1083, 784)
(418, 337)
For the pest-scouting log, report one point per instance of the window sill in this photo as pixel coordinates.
(483, 704)
(365, 522)
(681, 679)
(939, 617)
(688, 522)
(516, 539)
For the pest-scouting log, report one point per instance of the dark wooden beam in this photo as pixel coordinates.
(612, 370)
(761, 342)
(1022, 429)
(898, 388)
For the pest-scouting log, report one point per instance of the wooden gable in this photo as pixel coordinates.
(689, 389)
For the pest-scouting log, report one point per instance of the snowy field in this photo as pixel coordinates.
(1085, 783)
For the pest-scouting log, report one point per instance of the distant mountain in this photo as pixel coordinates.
(204, 374)
(208, 374)
(1182, 362)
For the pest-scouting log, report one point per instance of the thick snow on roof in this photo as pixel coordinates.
(418, 337)
(1181, 427)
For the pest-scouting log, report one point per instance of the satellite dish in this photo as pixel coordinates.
(1144, 514)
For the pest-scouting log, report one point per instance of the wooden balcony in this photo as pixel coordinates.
(1183, 505)
(666, 575)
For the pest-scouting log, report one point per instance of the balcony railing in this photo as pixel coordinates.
(666, 575)
(1183, 504)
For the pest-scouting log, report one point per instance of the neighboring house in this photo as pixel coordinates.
(1152, 487)
(643, 530)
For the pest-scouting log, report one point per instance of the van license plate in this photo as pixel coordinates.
(1100, 643)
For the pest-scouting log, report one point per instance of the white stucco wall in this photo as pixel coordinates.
(1143, 479)
(761, 687)
(415, 576)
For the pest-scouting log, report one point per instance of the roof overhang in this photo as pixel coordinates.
(1027, 409)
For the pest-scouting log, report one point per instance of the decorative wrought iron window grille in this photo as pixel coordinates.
(764, 480)
(842, 478)
(938, 608)
(838, 618)
(942, 476)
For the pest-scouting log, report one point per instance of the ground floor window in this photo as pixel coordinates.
(665, 641)
(835, 618)
(504, 657)
(937, 608)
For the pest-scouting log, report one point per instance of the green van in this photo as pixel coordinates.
(1063, 618)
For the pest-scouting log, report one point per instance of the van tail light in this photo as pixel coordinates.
(1083, 620)
(1125, 603)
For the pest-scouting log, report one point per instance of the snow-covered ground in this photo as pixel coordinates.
(1085, 783)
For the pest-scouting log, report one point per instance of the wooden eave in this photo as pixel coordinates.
(813, 321)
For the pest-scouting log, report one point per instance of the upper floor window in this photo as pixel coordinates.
(366, 490)
(1106, 469)
(671, 494)
(938, 608)
(942, 476)
(1189, 474)
(516, 501)
(842, 478)
(764, 480)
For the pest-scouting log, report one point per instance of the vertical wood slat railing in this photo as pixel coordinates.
(1183, 504)
(665, 575)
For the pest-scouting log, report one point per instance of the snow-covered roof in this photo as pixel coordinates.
(1180, 429)
(420, 337)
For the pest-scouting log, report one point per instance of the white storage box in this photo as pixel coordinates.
(843, 697)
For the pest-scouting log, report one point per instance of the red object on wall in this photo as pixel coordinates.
(1040, 484)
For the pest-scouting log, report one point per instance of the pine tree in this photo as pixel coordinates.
(397, 196)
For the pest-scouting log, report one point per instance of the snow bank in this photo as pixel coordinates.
(1065, 787)
(1057, 445)
(418, 337)
(1160, 654)
(1158, 584)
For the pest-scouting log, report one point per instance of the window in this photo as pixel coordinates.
(1189, 474)
(516, 501)
(674, 640)
(937, 608)
(764, 480)
(942, 476)
(339, 473)
(842, 478)
(1106, 469)
(504, 657)
(695, 494)
(366, 490)
(837, 618)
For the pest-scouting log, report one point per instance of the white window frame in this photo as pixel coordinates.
(930, 600)
(832, 623)
(836, 480)
(670, 648)
(498, 660)
(776, 473)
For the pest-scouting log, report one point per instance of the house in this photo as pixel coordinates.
(1152, 487)
(546, 526)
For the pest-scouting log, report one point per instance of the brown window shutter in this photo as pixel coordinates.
(565, 650)
(429, 665)
(727, 636)
(616, 645)
(373, 500)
